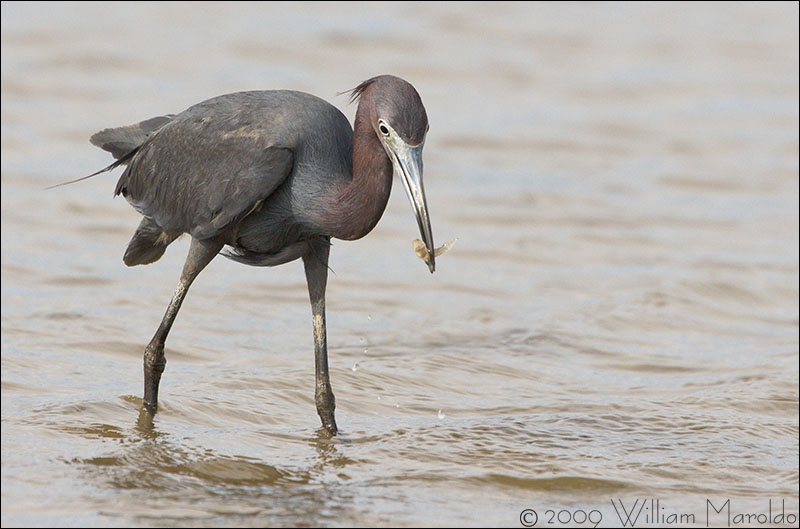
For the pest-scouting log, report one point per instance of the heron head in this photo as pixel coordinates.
(401, 123)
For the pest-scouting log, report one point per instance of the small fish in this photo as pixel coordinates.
(422, 251)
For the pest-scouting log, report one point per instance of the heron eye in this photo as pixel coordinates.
(384, 130)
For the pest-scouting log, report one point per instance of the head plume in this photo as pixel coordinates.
(356, 92)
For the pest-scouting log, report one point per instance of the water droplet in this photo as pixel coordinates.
(440, 414)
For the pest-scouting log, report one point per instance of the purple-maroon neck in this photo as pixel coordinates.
(358, 205)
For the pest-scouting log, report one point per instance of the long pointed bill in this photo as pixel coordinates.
(407, 163)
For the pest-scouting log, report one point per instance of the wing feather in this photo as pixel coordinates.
(206, 169)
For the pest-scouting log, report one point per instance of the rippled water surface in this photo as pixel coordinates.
(618, 320)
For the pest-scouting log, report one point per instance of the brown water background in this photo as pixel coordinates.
(619, 319)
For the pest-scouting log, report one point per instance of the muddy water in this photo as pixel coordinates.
(618, 320)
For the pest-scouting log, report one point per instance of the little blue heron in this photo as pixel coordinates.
(272, 175)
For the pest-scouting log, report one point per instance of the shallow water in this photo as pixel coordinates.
(618, 320)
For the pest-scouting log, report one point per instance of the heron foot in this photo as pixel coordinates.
(326, 404)
(154, 363)
(329, 423)
(149, 408)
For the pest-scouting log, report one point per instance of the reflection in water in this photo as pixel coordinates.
(157, 471)
(329, 458)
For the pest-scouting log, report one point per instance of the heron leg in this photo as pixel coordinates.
(200, 254)
(316, 266)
